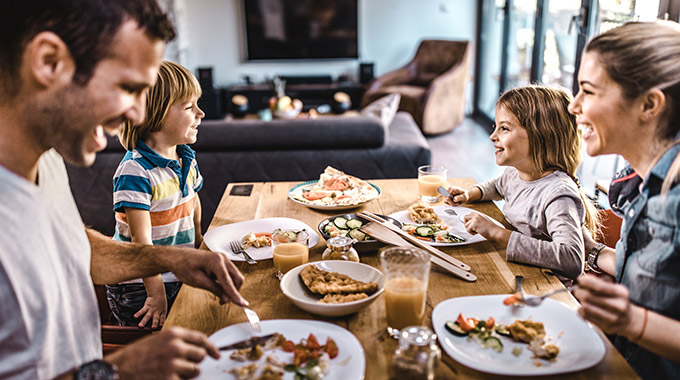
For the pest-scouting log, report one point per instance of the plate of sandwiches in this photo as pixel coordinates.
(332, 288)
(334, 190)
(438, 225)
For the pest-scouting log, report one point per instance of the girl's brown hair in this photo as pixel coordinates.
(640, 56)
(175, 83)
(554, 138)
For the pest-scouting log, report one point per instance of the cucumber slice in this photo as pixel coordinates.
(493, 343)
(454, 329)
(356, 234)
(354, 223)
(502, 330)
(424, 231)
(340, 222)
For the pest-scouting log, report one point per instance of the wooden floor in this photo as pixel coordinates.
(465, 152)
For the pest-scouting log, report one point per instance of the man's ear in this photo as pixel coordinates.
(48, 59)
(653, 103)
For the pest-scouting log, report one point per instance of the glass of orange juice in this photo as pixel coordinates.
(290, 249)
(406, 272)
(430, 177)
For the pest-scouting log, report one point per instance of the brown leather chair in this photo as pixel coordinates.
(432, 85)
(114, 336)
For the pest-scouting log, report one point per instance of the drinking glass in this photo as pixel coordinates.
(406, 271)
(288, 254)
(429, 179)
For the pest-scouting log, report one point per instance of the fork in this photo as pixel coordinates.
(253, 318)
(237, 248)
(537, 300)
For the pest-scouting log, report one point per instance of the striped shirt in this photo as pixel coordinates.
(148, 181)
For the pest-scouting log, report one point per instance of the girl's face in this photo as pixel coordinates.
(511, 142)
(181, 123)
(603, 114)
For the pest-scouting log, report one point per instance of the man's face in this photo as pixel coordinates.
(116, 92)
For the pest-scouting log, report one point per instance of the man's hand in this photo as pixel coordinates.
(458, 196)
(211, 271)
(171, 354)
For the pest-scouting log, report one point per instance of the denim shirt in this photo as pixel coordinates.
(648, 261)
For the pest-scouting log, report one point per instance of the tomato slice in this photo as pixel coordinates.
(331, 348)
(314, 195)
(466, 324)
(335, 184)
(513, 299)
(490, 323)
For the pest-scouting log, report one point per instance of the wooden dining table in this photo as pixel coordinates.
(200, 310)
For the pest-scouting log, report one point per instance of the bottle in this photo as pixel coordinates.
(340, 248)
(417, 355)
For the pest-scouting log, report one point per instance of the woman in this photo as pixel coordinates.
(629, 104)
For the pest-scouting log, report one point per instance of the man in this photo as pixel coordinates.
(70, 71)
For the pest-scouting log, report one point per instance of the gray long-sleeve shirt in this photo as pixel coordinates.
(548, 214)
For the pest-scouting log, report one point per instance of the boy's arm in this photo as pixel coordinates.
(115, 261)
(156, 306)
(198, 236)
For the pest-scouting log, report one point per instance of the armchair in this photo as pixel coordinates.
(432, 85)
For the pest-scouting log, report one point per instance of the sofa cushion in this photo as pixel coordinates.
(383, 109)
(335, 132)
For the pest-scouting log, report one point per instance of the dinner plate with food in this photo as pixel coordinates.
(254, 236)
(334, 190)
(438, 225)
(482, 333)
(310, 349)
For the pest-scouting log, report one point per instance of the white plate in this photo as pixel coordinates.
(455, 223)
(310, 184)
(297, 292)
(580, 346)
(218, 238)
(349, 364)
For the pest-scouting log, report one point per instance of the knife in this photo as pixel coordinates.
(248, 343)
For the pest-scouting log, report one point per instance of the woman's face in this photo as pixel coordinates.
(606, 118)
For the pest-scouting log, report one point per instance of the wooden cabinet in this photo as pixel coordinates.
(311, 95)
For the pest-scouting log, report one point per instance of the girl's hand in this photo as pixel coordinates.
(607, 305)
(458, 196)
(476, 223)
(155, 308)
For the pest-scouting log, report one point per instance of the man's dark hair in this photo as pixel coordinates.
(87, 27)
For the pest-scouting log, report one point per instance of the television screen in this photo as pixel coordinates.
(300, 29)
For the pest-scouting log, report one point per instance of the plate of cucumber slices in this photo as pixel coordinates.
(348, 225)
(450, 232)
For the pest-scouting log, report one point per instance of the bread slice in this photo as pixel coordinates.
(324, 282)
(423, 214)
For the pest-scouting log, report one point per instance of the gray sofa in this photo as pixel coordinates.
(279, 150)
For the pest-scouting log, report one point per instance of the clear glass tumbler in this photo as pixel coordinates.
(429, 179)
(289, 252)
(406, 272)
(417, 355)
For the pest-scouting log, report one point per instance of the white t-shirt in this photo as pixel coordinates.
(49, 318)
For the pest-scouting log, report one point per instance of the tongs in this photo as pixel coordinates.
(438, 257)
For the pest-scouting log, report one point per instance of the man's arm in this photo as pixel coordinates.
(115, 261)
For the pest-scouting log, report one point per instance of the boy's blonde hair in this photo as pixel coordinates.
(175, 83)
(554, 139)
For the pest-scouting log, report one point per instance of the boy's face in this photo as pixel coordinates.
(511, 142)
(182, 121)
(117, 91)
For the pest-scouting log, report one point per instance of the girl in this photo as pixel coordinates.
(155, 191)
(536, 137)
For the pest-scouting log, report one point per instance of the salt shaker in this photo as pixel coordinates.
(417, 355)
(340, 248)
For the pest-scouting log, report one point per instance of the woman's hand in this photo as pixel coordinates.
(607, 305)
(155, 309)
(458, 196)
(481, 224)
